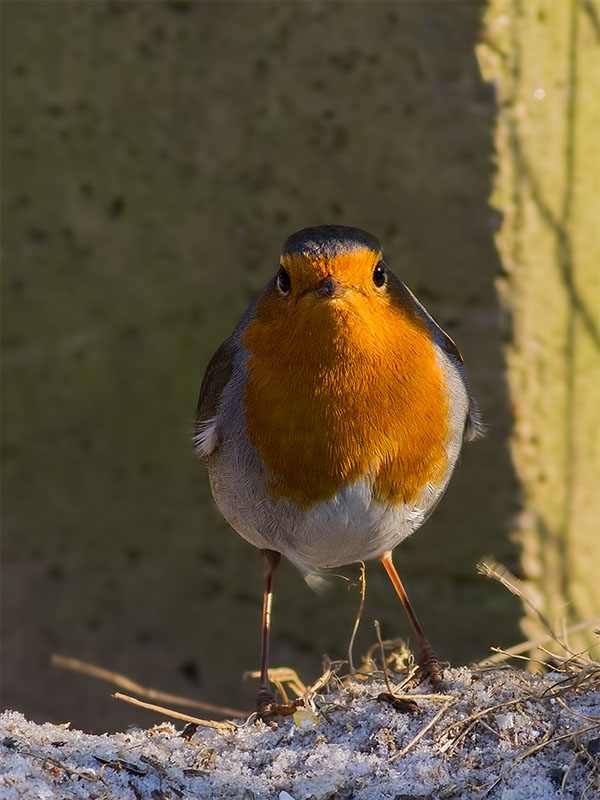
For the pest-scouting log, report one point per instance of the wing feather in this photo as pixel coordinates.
(216, 378)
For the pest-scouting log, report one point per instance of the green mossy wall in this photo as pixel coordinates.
(155, 157)
(545, 59)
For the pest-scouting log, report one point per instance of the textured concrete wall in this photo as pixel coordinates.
(545, 59)
(155, 157)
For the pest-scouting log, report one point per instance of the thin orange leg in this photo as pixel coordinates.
(265, 697)
(428, 658)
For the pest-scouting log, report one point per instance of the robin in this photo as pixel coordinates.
(332, 418)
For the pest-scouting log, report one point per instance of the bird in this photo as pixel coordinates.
(332, 418)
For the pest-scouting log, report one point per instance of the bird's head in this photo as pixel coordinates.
(330, 262)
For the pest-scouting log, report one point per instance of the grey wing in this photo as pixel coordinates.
(216, 378)
(474, 427)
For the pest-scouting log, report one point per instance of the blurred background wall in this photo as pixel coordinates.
(155, 157)
(544, 59)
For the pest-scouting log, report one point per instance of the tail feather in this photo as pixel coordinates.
(474, 425)
(318, 581)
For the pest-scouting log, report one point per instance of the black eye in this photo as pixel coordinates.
(284, 283)
(379, 274)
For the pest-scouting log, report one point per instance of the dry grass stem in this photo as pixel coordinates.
(123, 682)
(438, 697)
(501, 654)
(490, 568)
(74, 773)
(484, 712)
(281, 675)
(168, 712)
(449, 702)
(548, 739)
(383, 662)
(563, 783)
(410, 675)
(320, 683)
(588, 717)
(574, 663)
(576, 679)
(450, 746)
(363, 590)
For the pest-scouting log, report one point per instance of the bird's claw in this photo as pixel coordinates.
(430, 665)
(267, 709)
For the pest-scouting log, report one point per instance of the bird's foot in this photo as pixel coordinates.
(430, 665)
(264, 705)
(267, 709)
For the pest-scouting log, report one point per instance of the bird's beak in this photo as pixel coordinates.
(329, 287)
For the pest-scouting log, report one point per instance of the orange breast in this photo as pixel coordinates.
(341, 389)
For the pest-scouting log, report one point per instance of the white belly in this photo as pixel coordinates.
(351, 527)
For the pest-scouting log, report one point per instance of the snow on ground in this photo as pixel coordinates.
(539, 740)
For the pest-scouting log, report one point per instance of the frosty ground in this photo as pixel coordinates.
(500, 733)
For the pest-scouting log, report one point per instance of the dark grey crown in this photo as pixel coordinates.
(330, 240)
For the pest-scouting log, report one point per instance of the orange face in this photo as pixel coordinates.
(352, 270)
(343, 384)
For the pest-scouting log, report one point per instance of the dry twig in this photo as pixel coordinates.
(490, 568)
(483, 713)
(74, 773)
(363, 591)
(281, 675)
(168, 712)
(123, 682)
(449, 702)
(503, 655)
(383, 663)
(531, 750)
